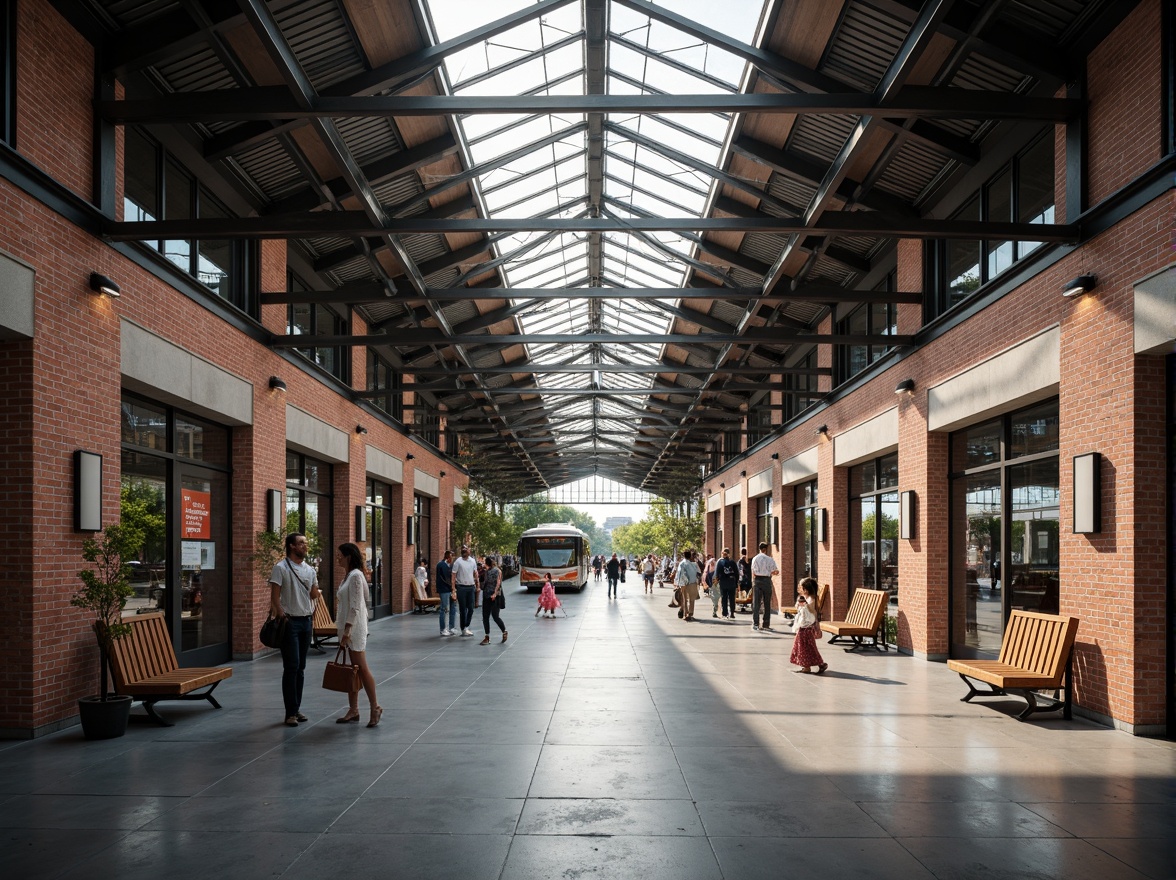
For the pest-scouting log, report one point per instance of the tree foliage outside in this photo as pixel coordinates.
(667, 528)
(488, 530)
(143, 512)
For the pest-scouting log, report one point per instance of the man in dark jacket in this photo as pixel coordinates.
(727, 575)
(613, 569)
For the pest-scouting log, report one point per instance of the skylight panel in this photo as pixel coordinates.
(515, 80)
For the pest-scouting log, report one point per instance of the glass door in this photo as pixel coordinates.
(200, 598)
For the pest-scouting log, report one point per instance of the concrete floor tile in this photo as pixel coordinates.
(435, 769)
(1152, 857)
(461, 724)
(610, 817)
(752, 858)
(629, 772)
(606, 728)
(797, 817)
(964, 819)
(61, 811)
(254, 813)
(1111, 820)
(966, 859)
(419, 856)
(431, 815)
(544, 857)
(193, 855)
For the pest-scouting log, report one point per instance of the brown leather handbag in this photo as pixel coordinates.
(342, 676)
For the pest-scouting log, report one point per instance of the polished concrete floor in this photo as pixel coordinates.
(617, 743)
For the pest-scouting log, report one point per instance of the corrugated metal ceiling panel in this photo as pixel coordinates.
(861, 49)
(321, 40)
(198, 70)
(821, 136)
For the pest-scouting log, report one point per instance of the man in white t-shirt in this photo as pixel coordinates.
(293, 593)
(465, 579)
(763, 569)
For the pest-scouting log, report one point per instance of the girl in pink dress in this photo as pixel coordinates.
(547, 600)
(804, 646)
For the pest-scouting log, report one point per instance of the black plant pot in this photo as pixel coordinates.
(104, 720)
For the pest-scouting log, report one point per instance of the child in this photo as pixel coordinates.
(547, 600)
(804, 648)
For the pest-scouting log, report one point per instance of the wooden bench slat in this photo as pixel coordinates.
(863, 619)
(1034, 655)
(144, 665)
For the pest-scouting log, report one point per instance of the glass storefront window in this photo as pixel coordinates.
(422, 522)
(308, 510)
(805, 519)
(1004, 525)
(873, 524)
(175, 486)
(379, 519)
(763, 515)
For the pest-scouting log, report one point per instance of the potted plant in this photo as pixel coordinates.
(105, 590)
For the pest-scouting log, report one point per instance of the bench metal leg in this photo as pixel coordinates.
(149, 702)
(993, 690)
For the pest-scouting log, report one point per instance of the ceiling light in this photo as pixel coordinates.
(906, 386)
(360, 429)
(277, 384)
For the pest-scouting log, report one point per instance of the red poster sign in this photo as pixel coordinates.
(197, 513)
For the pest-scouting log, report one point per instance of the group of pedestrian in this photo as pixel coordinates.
(724, 576)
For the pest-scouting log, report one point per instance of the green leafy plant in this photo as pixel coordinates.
(106, 588)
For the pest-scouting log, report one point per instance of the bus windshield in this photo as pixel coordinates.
(542, 552)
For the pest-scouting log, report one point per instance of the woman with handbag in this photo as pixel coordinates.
(807, 627)
(493, 599)
(352, 623)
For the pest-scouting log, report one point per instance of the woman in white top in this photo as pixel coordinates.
(352, 622)
(422, 573)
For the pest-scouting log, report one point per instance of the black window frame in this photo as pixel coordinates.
(938, 302)
(243, 275)
(383, 376)
(333, 360)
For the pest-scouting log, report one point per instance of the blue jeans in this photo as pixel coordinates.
(612, 585)
(465, 601)
(447, 606)
(294, 648)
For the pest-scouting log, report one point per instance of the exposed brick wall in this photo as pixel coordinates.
(54, 98)
(1123, 85)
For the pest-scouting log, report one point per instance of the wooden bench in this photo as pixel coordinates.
(863, 620)
(144, 666)
(822, 603)
(325, 633)
(1034, 655)
(743, 600)
(422, 603)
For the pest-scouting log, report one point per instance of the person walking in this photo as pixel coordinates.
(624, 567)
(613, 570)
(763, 569)
(294, 591)
(688, 579)
(352, 626)
(712, 588)
(446, 593)
(726, 580)
(647, 569)
(465, 583)
(808, 615)
(491, 591)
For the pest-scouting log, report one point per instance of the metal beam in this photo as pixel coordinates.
(427, 336)
(357, 223)
(372, 291)
(618, 369)
(276, 103)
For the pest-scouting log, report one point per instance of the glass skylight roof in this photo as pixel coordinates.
(539, 166)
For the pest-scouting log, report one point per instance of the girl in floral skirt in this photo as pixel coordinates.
(804, 647)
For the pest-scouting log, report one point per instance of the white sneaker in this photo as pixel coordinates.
(466, 632)
(444, 633)
(754, 628)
